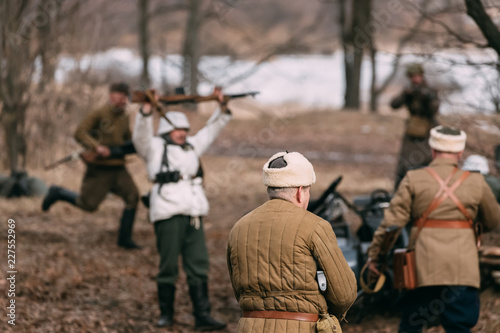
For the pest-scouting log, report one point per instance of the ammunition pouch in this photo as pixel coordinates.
(418, 127)
(328, 324)
(167, 177)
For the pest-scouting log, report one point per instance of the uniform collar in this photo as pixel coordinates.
(443, 161)
(115, 111)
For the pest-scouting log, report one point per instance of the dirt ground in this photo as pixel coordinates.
(73, 278)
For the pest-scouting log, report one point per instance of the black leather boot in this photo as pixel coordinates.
(166, 296)
(201, 309)
(125, 232)
(145, 199)
(57, 193)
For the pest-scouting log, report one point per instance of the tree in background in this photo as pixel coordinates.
(30, 43)
(191, 48)
(355, 37)
(17, 56)
(144, 41)
(477, 12)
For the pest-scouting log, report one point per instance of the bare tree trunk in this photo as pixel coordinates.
(9, 124)
(191, 52)
(162, 45)
(373, 86)
(144, 41)
(16, 69)
(48, 47)
(355, 40)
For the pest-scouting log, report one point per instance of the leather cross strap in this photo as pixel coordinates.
(443, 193)
(436, 201)
(449, 190)
(311, 317)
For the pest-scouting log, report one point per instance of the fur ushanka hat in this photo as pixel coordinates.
(295, 171)
(447, 139)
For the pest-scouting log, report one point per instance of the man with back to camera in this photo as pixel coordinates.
(105, 134)
(442, 202)
(178, 203)
(422, 102)
(275, 252)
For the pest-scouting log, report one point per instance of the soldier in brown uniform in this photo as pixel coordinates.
(441, 201)
(275, 251)
(423, 104)
(105, 133)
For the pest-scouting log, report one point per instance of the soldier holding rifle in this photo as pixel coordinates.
(442, 202)
(423, 104)
(178, 203)
(105, 134)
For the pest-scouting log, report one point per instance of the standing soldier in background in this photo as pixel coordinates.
(442, 202)
(105, 134)
(178, 203)
(423, 104)
(287, 271)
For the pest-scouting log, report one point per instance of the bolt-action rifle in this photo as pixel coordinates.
(146, 97)
(89, 155)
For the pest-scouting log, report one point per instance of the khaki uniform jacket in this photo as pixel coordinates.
(443, 256)
(107, 127)
(273, 255)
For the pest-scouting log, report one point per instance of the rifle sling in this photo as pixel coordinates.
(378, 285)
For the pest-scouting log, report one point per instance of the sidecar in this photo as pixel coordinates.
(333, 207)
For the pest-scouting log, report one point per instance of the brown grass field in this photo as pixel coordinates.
(73, 278)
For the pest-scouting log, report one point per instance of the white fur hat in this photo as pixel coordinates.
(298, 171)
(447, 139)
(176, 120)
(476, 163)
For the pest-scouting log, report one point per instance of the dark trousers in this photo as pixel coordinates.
(415, 153)
(177, 237)
(100, 180)
(456, 308)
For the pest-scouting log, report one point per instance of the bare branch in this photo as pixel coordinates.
(443, 25)
(292, 42)
(401, 45)
(490, 31)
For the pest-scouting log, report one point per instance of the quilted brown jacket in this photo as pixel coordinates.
(107, 127)
(443, 256)
(273, 255)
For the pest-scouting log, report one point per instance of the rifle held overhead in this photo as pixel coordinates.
(144, 96)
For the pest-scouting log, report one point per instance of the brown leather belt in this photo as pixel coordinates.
(312, 317)
(448, 224)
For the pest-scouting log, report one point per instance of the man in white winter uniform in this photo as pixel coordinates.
(177, 204)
